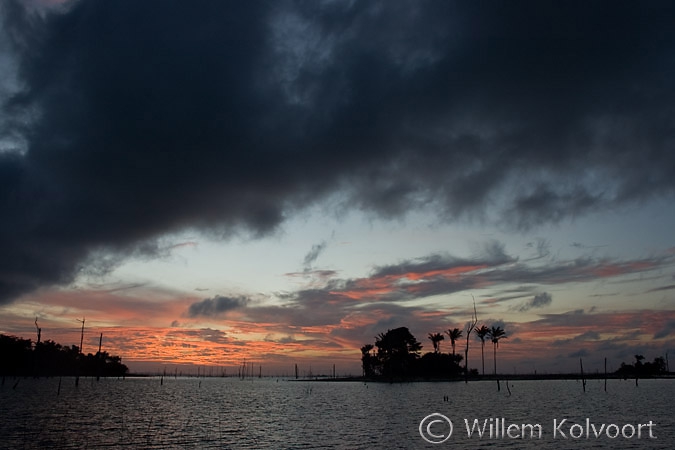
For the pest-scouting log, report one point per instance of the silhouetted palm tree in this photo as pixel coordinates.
(482, 332)
(454, 335)
(436, 339)
(496, 333)
(367, 360)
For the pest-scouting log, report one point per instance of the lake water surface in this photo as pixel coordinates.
(228, 413)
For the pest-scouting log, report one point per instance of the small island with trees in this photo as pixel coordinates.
(397, 355)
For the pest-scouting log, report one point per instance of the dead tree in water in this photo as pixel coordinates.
(39, 332)
(469, 328)
(36, 353)
(82, 334)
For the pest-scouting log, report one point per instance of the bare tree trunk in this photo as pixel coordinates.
(469, 328)
(482, 354)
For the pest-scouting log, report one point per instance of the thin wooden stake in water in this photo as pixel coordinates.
(605, 374)
(79, 363)
(583, 380)
(98, 358)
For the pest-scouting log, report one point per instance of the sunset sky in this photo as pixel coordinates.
(214, 182)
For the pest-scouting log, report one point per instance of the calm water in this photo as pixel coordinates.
(222, 413)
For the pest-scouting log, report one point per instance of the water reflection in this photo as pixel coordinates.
(256, 414)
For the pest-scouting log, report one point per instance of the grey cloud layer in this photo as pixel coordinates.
(539, 301)
(218, 305)
(131, 119)
(386, 291)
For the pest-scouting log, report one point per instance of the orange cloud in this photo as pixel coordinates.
(446, 273)
(411, 282)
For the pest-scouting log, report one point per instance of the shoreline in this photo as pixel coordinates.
(505, 377)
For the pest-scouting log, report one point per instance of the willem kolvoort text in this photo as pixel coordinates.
(499, 428)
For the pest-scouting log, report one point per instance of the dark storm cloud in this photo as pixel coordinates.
(132, 119)
(213, 307)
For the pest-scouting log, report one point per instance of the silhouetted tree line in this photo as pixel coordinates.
(397, 355)
(21, 357)
(643, 370)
